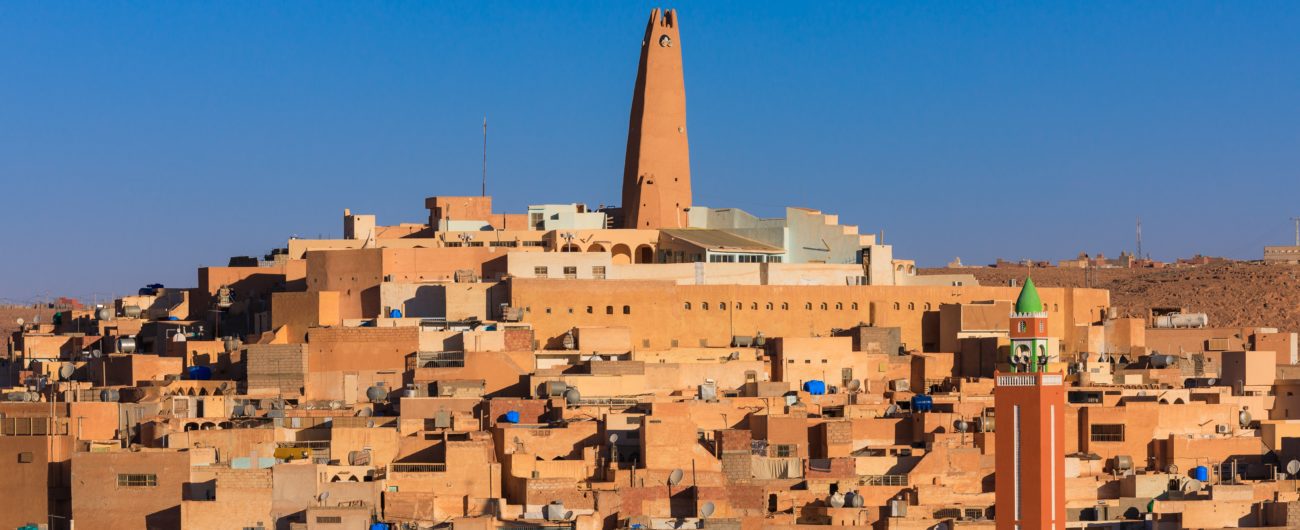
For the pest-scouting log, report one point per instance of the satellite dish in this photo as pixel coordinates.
(675, 477)
(1293, 467)
(961, 425)
(613, 438)
(1173, 469)
(891, 410)
(707, 510)
(836, 500)
(67, 369)
(96, 353)
(854, 385)
(323, 495)
(1244, 418)
(21, 321)
(1192, 485)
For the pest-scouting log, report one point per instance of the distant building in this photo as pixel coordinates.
(1284, 254)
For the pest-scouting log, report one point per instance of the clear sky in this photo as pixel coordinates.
(139, 141)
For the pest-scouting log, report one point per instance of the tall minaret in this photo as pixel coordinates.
(1029, 403)
(657, 171)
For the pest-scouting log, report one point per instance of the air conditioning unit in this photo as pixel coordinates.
(1222, 428)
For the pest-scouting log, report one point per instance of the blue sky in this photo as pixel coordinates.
(139, 141)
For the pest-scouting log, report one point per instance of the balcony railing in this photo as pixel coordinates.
(417, 468)
(884, 480)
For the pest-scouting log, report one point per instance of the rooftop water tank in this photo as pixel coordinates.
(572, 396)
(922, 403)
(199, 373)
(126, 345)
(815, 387)
(512, 416)
(396, 313)
(376, 393)
(1201, 473)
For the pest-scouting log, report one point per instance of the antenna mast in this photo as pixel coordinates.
(484, 190)
(1139, 234)
(1296, 220)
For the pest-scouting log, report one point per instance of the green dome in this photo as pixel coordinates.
(1028, 302)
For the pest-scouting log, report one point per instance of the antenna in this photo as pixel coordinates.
(1296, 220)
(484, 191)
(1139, 242)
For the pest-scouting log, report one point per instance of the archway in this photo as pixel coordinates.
(645, 254)
(622, 255)
(596, 247)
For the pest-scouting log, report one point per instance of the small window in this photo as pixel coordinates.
(25, 457)
(598, 272)
(927, 306)
(609, 310)
(704, 306)
(1107, 432)
(853, 306)
(785, 306)
(808, 306)
(688, 306)
(824, 306)
(783, 451)
(896, 306)
(627, 310)
(539, 272)
(570, 272)
(329, 519)
(137, 480)
(590, 310)
(548, 310)
(769, 306)
(911, 306)
(839, 306)
(1040, 326)
(1021, 326)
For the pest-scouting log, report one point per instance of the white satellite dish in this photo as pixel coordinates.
(1192, 485)
(21, 321)
(613, 438)
(675, 477)
(854, 385)
(707, 510)
(1293, 467)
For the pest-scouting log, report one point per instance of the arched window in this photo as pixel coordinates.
(688, 306)
(895, 306)
(839, 306)
(853, 306)
(1040, 326)
(753, 306)
(590, 310)
(785, 306)
(740, 305)
(824, 306)
(627, 310)
(911, 306)
(1021, 326)
(808, 306)
(704, 306)
(722, 306)
(769, 306)
(609, 310)
(927, 306)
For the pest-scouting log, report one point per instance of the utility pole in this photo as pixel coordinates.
(484, 190)
(1296, 220)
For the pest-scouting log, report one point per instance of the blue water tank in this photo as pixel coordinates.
(1201, 473)
(922, 403)
(396, 313)
(379, 526)
(173, 319)
(512, 416)
(815, 387)
(199, 373)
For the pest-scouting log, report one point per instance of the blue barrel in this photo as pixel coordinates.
(922, 403)
(199, 373)
(815, 387)
(512, 416)
(379, 526)
(1201, 473)
(173, 319)
(396, 313)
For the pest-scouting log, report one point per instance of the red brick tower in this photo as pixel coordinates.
(1029, 402)
(657, 171)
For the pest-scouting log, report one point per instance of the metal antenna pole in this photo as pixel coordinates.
(1296, 220)
(1139, 234)
(484, 190)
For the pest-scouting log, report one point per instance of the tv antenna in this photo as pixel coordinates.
(484, 189)
(1296, 220)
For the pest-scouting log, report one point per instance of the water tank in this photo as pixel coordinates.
(126, 345)
(554, 388)
(922, 403)
(230, 343)
(815, 387)
(1201, 473)
(379, 526)
(1182, 320)
(854, 499)
(110, 395)
(836, 500)
(376, 393)
(572, 397)
(104, 313)
(1123, 463)
(1161, 360)
(709, 391)
(199, 373)
(512, 416)
(554, 511)
(131, 311)
(396, 313)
